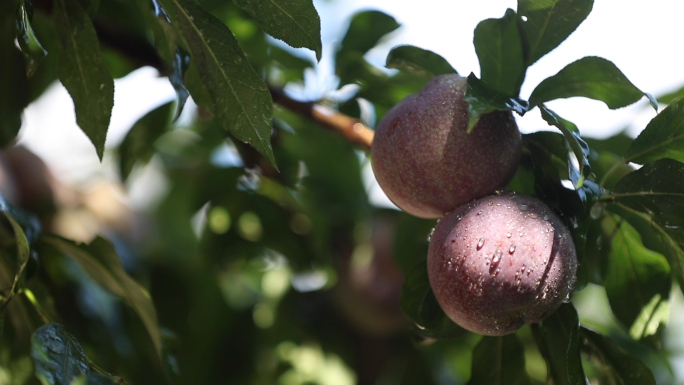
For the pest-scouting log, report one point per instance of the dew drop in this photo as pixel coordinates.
(511, 249)
(480, 243)
(522, 206)
(490, 203)
(508, 235)
(479, 212)
(496, 259)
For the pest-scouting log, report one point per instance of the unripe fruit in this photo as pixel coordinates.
(425, 160)
(500, 262)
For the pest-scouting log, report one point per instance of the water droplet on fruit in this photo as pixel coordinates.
(480, 243)
(511, 249)
(522, 206)
(546, 217)
(496, 259)
(479, 212)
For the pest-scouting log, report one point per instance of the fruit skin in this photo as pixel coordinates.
(425, 160)
(500, 262)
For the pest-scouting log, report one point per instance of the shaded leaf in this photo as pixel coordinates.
(559, 342)
(83, 73)
(417, 61)
(482, 99)
(94, 379)
(615, 363)
(33, 51)
(655, 192)
(241, 101)
(13, 93)
(592, 77)
(410, 241)
(499, 360)
(549, 23)
(365, 31)
(637, 280)
(23, 254)
(419, 303)
(499, 50)
(296, 22)
(57, 355)
(663, 137)
(138, 145)
(579, 147)
(101, 262)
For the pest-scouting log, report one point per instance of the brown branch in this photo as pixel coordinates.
(352, 129)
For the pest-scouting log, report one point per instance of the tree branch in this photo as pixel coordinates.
(352, 129)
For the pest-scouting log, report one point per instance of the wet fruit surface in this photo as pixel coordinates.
(500, 262)
(426, 161)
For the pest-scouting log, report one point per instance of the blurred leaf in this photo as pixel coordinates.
(558, 339)
(57, 355)
(499, 361)
(296, 22)
(499, 50)
(23, 251)
(592, 77)
(410, 241)
(671, 97)
(615, 363)
(419, 303)
(417, 61)
(101, 262)
(549, 23)
(33, 51)
(482, 99)
(655, 192)
(83, 73)
(94, 379)
(13, 92)
(240, 100)
(138, 145)
(637, 280)
(663, 137)
(579, 147)
(365, 31)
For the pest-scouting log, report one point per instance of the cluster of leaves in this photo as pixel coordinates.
(626, 220)
(272, 275)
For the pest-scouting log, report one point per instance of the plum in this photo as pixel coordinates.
(425, 160)
(501, 261)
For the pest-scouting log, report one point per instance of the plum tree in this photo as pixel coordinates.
(428, 163)
(501, 261)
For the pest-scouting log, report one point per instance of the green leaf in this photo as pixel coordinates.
(295, 22)
(365, 31)
(138, 145)
(559, 342)
(417, 61)
(614, 363)
(100, 260)
(499, 361)
(174, 56)
(655, 192)
(83, 73)
(592, 77)
(499, 50)
(95, 379)
(23, 254)
(410, 241)
(33, 51)
(663, 137)
(57, 355)
(14, 89)
(419, 303)
(548, 23)
(242, 103)
(637, 280)
(482, 99)
(579, 147)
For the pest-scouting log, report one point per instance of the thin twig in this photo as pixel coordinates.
(352, 129)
